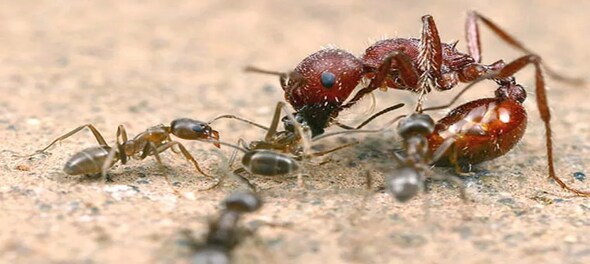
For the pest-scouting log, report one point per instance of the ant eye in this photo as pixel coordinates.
(328, 79)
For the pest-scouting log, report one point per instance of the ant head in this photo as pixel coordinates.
(191, 129)
(403, 183)
(243, 202)
(512, 91)
(416, 123)
(328, 76)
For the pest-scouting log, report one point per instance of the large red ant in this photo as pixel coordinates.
(151, 142)
(481, 130)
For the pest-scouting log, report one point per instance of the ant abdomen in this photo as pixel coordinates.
(87, 161)
(268, 163)
(483, 129)
(403, 183)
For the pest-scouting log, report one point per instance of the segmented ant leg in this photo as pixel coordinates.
(543, 106)
(430, 61)
(227, 173)
(272, 130)
(118, 152)
(94, 131)
(109, 162)
(185, 153)
(472, 35)
(473, 32)
(121, 139)
(446, 146)
(151, 149)
(407, 71)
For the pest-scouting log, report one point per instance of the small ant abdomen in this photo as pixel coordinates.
(328, 76)
(268, 163)
(483, 130)
(403, 183)
(88, 161)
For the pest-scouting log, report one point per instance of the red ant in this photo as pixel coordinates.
(151, 142)
(481, 130)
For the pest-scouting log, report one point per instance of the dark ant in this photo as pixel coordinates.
(224, 234)
(151, 142)
(482, 129)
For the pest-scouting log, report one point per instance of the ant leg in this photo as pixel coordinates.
(449, 146)
(227, 173)
(449, 178)
(543, 106)
(109, 162)
(151, 148)
(502, 34)
(94, 131)
(407, 71)
(472, 36)
(275, 122)
(185, 153)
(430, 61)
(121, 140)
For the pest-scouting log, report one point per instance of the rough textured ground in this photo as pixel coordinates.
(141, 63)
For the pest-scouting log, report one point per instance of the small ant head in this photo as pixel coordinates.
(243, 202)
(403, 183)
(416, 123)
(512, 91)
(268, 163)
(191, 129)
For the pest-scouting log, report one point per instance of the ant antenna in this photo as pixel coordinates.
(239, 119)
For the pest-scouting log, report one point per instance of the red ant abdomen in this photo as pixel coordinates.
(482, 130)
(87, 161)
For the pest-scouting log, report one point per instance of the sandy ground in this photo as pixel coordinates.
(141, 63)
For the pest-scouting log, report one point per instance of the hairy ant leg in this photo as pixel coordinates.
(474, 45)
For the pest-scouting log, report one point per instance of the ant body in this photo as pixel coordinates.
(268, 157)
(223, 233)
(482, 130)
(151, 142)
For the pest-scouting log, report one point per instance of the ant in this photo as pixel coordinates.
(224, 234)
(419, 65)
(151, 142)
(268, 157)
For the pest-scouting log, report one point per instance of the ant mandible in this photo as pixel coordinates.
(151, 142)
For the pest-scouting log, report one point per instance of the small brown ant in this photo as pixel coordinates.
(268, 157)
(224, 234)
(151, 142)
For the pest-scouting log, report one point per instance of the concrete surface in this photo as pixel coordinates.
(141, 63)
